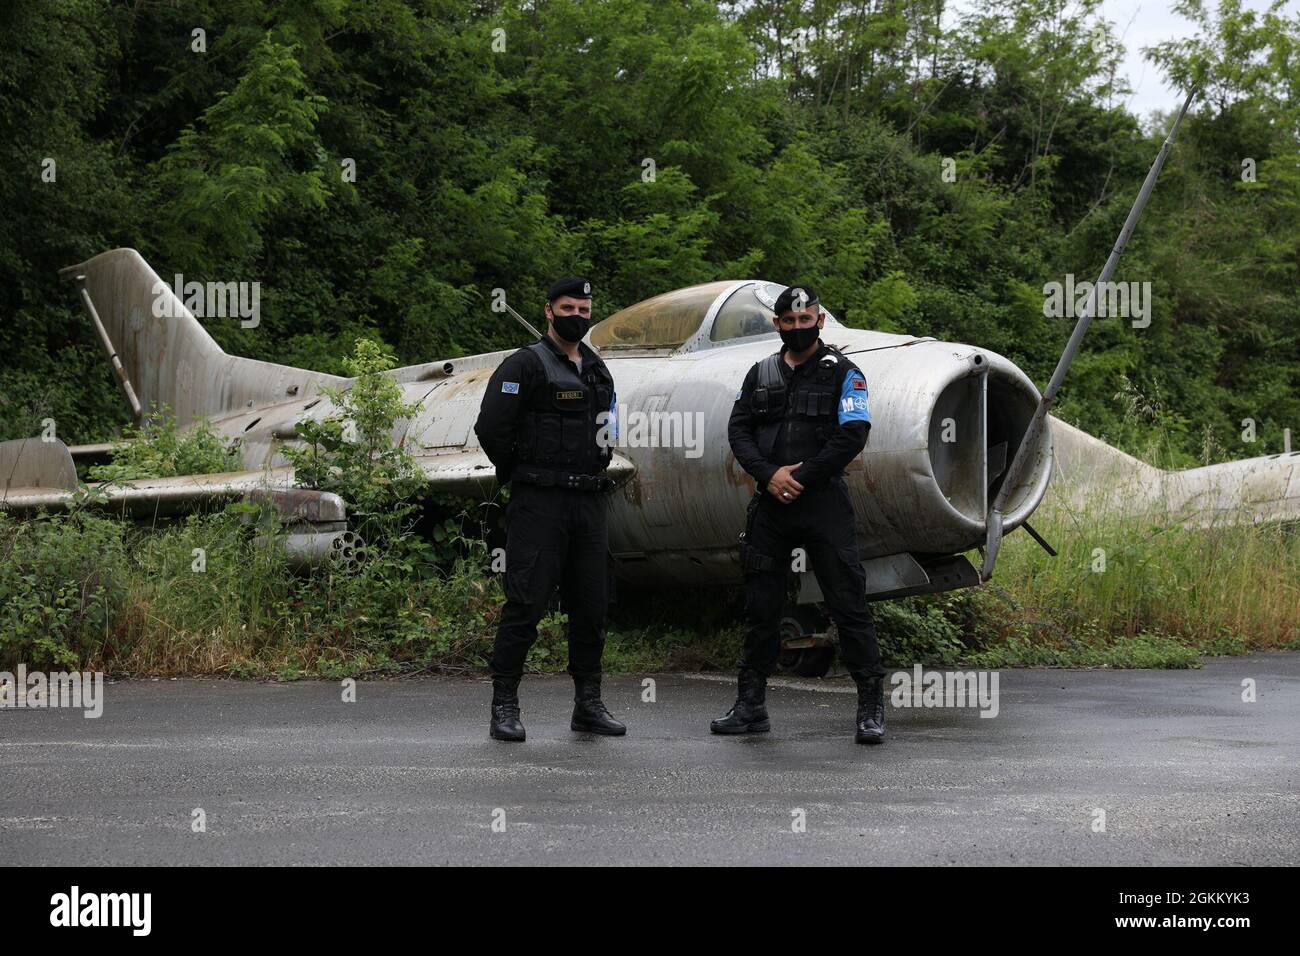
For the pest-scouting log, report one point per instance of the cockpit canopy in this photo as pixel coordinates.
(694, 318)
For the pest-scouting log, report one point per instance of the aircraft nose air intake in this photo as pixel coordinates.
(957, 440)
(977, 423)
(946, 421)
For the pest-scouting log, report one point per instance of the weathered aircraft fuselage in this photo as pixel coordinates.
(946, 421)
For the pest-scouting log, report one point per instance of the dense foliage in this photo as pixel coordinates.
(653, 145)
(89, 592)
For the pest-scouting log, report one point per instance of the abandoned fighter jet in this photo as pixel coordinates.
(960, 451)
(677, 359)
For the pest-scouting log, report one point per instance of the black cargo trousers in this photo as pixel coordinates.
(554, 536)
(820, 521)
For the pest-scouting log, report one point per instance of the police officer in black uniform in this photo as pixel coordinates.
(800, 418)
(547, 423)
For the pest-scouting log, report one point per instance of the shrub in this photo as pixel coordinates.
(157, 450)
(62, 581)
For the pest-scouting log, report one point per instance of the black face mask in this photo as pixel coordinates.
(799, 340)
(571, 328)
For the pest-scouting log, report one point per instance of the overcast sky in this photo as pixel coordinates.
(1141, 23)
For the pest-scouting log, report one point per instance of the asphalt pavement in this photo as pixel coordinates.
(1185, 771)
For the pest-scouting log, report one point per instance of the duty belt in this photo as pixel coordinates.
(563, 479)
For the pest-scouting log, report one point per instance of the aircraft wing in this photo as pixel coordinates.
(36, 475)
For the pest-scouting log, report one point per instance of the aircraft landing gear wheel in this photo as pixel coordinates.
(805, 652)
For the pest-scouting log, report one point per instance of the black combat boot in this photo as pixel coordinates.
(749, 714)
(506, 724)
(589, 712)
(871, 708)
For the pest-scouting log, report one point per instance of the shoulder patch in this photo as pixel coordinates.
(510, 388)
(853, 398)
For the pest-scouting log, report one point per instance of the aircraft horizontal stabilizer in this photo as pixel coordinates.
(1091, 475)
(39, 475)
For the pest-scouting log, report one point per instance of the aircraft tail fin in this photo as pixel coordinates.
(164, 357)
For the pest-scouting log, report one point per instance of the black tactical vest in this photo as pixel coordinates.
(558, 428)
(796, 418)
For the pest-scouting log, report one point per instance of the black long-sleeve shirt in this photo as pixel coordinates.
(844, 444)
(509, 391)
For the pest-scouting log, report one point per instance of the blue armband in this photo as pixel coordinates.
(853, 398)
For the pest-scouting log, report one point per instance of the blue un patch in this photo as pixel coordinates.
(853, 399)
(510, 388)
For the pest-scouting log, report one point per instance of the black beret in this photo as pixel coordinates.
(577, 286)
(786, 300)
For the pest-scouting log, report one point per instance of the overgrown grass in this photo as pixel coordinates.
(89, 591)
(94, 592)
(1135, 592)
